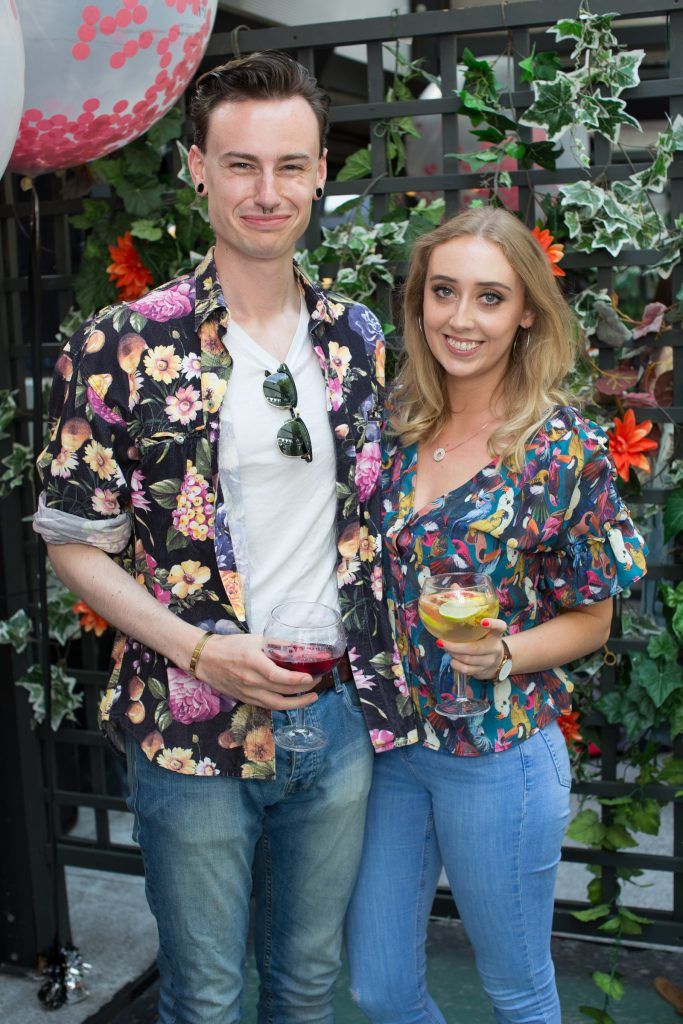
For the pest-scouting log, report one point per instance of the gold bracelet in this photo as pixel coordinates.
(198, 648)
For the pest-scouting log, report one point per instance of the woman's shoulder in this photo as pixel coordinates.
(567, 434)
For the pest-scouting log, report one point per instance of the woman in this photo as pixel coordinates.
(491, 470)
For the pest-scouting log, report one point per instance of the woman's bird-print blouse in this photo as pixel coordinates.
(551, 537)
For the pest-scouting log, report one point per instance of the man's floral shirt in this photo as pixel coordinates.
(552, 536)
(134, 414)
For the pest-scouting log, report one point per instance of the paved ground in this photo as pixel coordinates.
(118, 937)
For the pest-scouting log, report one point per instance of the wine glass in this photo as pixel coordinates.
(451, 607)
(303, 636)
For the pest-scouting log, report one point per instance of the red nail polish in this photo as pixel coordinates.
(439, 643)
(485, 623)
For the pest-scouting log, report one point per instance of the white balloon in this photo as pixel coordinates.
(100, 74)
(11, 78)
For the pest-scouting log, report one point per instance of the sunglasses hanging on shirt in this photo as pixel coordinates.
(293, 438)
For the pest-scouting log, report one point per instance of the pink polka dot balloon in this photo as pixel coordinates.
(11, 78)
(100, 74)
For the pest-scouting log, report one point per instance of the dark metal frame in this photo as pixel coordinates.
(483, 30)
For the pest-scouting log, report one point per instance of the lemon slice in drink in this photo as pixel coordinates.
(460, 611)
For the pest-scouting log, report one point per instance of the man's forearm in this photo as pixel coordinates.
(92, 575)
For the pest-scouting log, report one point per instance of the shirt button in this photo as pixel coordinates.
(179, 438)
(133, 453)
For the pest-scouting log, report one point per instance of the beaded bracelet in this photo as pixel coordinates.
(199, 647)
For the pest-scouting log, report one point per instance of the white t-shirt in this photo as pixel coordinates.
(289, 504)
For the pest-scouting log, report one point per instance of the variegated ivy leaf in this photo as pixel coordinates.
(584, 308)
(554, 106)
(64, 700)
(8, 408)
(16, 631)
(622, 70)
(583, 194)
(19, 463)
(612, 235)
(605, 114)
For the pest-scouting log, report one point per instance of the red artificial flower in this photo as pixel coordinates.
(628, 441)
(554, 250)
(131, 276)
(90, 621)
(569, 726)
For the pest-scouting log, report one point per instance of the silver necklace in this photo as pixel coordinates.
(440, 453)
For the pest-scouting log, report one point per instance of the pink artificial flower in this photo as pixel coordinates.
(189, 699)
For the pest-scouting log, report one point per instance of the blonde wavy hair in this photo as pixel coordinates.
(532, 385)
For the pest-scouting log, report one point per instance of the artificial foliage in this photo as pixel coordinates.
(149, 227)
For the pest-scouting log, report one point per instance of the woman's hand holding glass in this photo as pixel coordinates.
(458, 609)
(479, 658)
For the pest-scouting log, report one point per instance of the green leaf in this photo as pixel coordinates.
(671, 772)
(147, 229)
(358, 165)
(676, 719)
(622, 70)
(630, 915)
(553, 107)
(645, 816)
(608, 984)
(663, 646)
(567, 28)
(586, 828)
(672, 597)
(169, 127)
(64, 700)
(592, 913)
(599, 1016)
(618, 838)
(16, 631)
(658, 679)
(673, 514)
(139, 200)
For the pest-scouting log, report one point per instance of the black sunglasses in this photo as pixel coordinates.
(293, 438)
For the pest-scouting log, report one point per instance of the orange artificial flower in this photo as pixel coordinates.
(90, 621)
(129, 273)
(553, 250)
(628, 441)
(569, 725)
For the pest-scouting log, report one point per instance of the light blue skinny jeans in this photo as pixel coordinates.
(199, 837)
(496, 824)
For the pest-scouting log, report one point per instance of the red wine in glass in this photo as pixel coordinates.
(315, 659)
(303, 636)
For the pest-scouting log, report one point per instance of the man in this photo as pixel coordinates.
(166, 443)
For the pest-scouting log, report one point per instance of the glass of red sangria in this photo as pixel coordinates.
(303, 636)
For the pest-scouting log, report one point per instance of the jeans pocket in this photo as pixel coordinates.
(557, 748)
(351, 699)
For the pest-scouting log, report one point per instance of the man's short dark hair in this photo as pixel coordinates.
(260, 76)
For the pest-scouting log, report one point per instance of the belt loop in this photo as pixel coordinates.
(338, 685)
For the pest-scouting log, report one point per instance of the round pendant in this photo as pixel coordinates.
(438, 454)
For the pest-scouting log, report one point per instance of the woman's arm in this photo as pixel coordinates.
(570, 635)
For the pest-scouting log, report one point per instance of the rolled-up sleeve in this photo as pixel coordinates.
(85, 468)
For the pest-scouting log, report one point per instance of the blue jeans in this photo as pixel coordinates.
(496, 824)
(199, 837)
